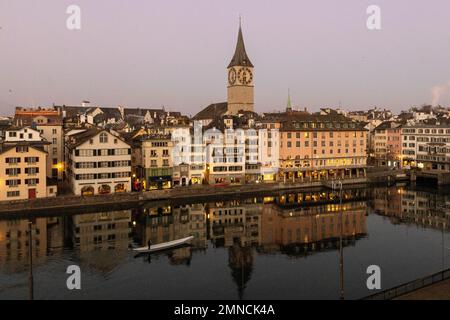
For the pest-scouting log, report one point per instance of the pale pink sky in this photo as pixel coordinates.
(150, 53)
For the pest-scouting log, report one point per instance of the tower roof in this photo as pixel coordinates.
(289, 103)
(240, 57)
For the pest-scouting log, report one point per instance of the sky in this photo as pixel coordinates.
(174, 53)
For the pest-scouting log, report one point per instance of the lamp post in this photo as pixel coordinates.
(335, 186)
(30, 256)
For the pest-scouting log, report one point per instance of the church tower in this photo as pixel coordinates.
(240, 79)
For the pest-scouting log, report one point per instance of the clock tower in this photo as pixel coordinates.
(240, 79)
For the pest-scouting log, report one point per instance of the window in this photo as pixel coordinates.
(13, 160)
(55, 150)
(11, 194)
(153, 163)
(54, 141)
(103, 164)
(103, 137)
(22, 149)
(31, 182)
(31, 159)
(54, 131)
(54, 161)
(13, 183)
(297, 144)
(13, 171)
(32, 171)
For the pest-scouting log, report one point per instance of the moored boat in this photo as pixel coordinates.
(164, 245)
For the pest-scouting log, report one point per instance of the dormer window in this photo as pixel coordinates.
(103, 138)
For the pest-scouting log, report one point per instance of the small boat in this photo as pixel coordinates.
(164, 245)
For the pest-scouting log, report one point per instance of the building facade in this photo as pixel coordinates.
(23, 173)
(426, 147)
(49, 123)
(317, 147)
(156, 166)
(98, 162)
(387, 144)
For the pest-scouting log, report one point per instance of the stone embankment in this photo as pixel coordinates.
(119, 201)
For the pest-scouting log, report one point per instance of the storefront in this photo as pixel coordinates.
(159, 183)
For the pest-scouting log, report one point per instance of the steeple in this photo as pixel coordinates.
(289, 103)
(240, 57)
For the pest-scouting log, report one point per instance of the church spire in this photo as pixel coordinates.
(240, 57)
(289, 103)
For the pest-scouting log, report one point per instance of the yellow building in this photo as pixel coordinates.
(23, 172)
(314, 147)
(50, 124)
(156, 162)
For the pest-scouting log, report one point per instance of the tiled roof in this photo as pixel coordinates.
(212, 111)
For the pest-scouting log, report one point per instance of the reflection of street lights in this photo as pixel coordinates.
(30, 256)
(338, 185)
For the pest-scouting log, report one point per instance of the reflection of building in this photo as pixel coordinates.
(98, 162)
(14, 243)
(418, 207)
(197, 225)
(234, 222)
(55, 233)
(240, 261)
(387, 201)
(312, 225)
(167, 223)
(101, 230)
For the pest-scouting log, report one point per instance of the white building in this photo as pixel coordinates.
(188, 155)
(98, 162)
(225, 156)
(426, 147)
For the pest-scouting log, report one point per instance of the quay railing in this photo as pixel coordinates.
(409, 287)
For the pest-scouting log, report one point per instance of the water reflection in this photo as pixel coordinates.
(293, 225)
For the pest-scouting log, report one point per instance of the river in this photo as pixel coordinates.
(267, 247)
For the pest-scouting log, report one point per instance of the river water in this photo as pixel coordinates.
(283, 246)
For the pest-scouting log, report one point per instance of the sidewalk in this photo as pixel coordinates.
(437, 291)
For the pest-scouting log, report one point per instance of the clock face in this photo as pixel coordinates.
(232, 76)
(245, 76)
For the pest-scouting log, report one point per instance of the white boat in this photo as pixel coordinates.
(164, 246)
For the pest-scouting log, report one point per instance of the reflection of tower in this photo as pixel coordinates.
(240, 260)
